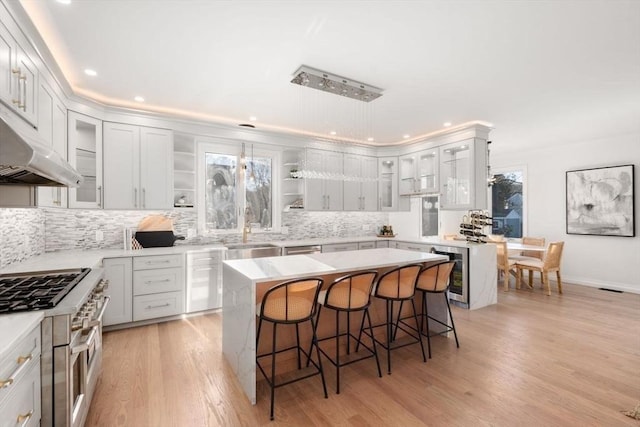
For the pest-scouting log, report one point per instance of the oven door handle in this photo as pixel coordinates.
(86, 344)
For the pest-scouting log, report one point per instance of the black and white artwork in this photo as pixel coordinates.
(601, 201)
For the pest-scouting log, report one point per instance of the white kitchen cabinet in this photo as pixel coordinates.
(20, 402)
(18, 78)
(323, 188)
(463, 180)
(419, 172)
(360, 184)
(409, 246)
(293, 184)
(382, 244)
(340, 247)
(85, 154)
(52, 126)
(158, 286)
(184, 171)
(366, 245)
(119, 273)
(204, 280)
(138, 167)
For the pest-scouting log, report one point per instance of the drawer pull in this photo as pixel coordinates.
(148, 282)
(22, 362)
(165, 261)
(24, 419)
(149, 307)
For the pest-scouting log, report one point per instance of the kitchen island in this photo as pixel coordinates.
(245, 281)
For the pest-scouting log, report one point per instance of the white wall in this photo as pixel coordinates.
(599, 261)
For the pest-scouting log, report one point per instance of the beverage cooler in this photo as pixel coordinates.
(459, 281)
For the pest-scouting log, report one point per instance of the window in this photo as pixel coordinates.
(507, 203)
(234, 189)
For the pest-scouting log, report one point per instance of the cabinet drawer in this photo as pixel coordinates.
(160, 280)
(203, 259)
(157, 305)
(340, 247)
(159, 261)
(382, 244)
(16, 363)
(22, 404)
(419, 247)
(367, 245)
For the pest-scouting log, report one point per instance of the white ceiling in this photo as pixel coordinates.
(541, 72)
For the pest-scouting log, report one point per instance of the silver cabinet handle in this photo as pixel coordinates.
(99, 195)
(144, 198)
(149, 307)
(164, 261)
(22, 362)
(135, 197)
(328, 201)
(148, 282)
(23, 105)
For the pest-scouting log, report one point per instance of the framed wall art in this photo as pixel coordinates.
(600, 201)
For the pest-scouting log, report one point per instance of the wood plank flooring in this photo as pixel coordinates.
(563, 360)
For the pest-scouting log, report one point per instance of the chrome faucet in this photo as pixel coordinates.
(247, 225)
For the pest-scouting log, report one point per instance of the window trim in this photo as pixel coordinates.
(234, 148)
(525, 204)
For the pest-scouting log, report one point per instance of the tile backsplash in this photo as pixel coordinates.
(29, 232)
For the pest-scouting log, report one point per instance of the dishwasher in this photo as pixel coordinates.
(302, 250)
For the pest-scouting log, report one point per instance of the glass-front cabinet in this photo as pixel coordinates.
(463, 183)
(85, 154)
(388, 183)
(427, 173)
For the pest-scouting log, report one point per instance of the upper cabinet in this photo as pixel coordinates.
(138, 167)
(388, 186)
(419, 173)
(323, 183)
(52, 126)
(18, 78)
(85, 154)
(360, 183)
(463, 182)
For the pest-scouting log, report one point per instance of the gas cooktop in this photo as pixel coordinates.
(37, 290)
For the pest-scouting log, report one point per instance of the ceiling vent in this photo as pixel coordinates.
(316, 79)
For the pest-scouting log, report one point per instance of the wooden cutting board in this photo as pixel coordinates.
(155, 223)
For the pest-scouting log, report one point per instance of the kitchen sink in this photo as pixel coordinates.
(252, 250)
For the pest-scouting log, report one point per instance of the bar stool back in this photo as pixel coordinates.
(291, 302)
(349, 294)
(435, 280)
(398, 285)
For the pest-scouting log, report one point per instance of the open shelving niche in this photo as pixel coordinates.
(184, 175)
(292, 187)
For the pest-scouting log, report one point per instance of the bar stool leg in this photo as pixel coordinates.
(426, 319)
(298, 345)
(273, 370)
(389, 317)
(373, 341)
(337, 352)
(314, 341)
(453, 325)
(415, 316)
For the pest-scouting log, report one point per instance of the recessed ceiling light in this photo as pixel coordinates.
(253, 118)
(90, 72)
(405, 136)
(64, 1)
(370, 139)
(139, 99)
(446, 124)
(333, 132)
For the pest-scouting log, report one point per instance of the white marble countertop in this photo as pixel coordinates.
(14, 327)
(282, 268)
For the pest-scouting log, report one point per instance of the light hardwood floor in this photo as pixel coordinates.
(532, 359)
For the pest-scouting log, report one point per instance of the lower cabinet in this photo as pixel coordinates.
(419, 247)
(144, 287)
(204, 280)
(366, 245)
(20, 398)
(340, 247)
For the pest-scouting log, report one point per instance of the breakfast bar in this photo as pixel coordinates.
(245, 281)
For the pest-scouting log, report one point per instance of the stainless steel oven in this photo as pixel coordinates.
(459, 280)
(73, 303)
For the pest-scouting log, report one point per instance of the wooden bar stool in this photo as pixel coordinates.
(349, 294)
(290, 303)
(397, 285)
(435, 280)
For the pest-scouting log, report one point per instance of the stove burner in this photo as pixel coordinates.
(37, 291)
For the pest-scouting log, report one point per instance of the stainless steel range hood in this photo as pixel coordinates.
(26, 160)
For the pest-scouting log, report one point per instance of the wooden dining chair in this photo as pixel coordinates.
(550, 264)
(530, 255)
(506, 266)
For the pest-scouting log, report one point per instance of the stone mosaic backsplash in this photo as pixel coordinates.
(22, 234)
(29, 232)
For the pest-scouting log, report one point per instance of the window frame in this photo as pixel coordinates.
(234, 148)
(510, 169)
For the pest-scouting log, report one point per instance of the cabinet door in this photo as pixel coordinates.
(119, 273)
(156, 168)
(7, 64)
(427, 179)
(52, 126)
(388, 183)
(369, 192)
(121, 166)
(352, 188)
(407, 174)
(333, 187)
(457, 182)
(315, 199)
(85, 154)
